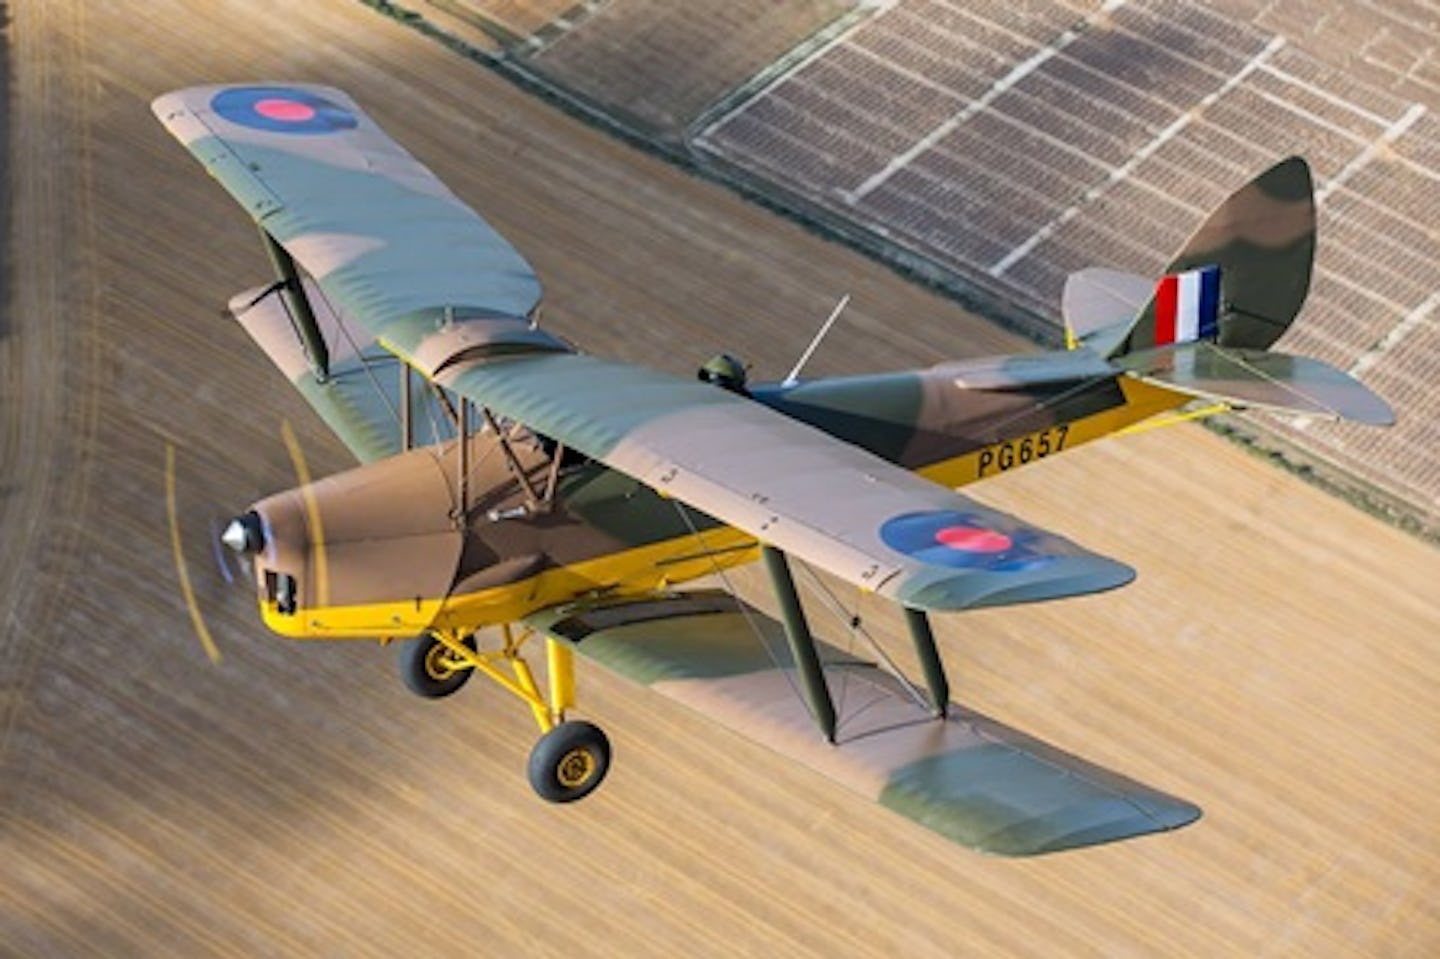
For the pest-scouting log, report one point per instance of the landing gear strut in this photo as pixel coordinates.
(571, 758)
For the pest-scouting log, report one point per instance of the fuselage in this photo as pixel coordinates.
(957, 423)
(385, 549)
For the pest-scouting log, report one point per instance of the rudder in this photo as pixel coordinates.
(1205, 329)
(1253, 257)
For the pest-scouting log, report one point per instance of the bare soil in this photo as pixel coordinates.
(1275, 662)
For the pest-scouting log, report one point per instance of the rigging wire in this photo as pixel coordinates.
(365, 362)
(740, 604)
(857, 627)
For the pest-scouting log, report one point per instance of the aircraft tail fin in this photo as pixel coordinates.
(1206, 327)
(1241, 279)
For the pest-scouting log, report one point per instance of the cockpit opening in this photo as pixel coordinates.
(726, 372)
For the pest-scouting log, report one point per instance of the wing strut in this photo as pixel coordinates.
(462, 485)
(930, 663)
(299, 306)
(407, 411)
(802, 643)
(532, 499)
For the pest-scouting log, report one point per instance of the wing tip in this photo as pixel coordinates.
(1054, 577)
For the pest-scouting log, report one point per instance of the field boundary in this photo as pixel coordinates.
(1251, 435)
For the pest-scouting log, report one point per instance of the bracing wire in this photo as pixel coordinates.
(365, 362)
(857, 627)
(740, 604)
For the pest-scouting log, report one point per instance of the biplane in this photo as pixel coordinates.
(514, 489)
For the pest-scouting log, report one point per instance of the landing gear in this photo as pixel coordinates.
(571, 758)
(569, 761)
(432, 669)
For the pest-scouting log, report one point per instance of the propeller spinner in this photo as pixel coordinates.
(245, 534)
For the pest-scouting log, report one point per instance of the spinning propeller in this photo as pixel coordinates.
(230, 536)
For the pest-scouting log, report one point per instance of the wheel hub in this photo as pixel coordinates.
(439, 664)
(575, 767)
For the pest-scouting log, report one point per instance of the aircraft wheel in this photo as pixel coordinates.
(569, 762)
(426, 666)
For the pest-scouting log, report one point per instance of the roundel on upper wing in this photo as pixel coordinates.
(282, 110)
(961, 541)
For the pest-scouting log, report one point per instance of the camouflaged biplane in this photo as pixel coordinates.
(514, 485)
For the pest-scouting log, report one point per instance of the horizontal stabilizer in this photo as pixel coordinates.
(1259, 379)
(968, 778)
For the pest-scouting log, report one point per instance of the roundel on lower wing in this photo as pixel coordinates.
(282, 110)
(961, 541)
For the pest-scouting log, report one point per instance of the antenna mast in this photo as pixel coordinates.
(805, 357)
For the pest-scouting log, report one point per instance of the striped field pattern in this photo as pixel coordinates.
(1014, 143)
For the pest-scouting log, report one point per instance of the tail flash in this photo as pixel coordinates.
(1187, 306)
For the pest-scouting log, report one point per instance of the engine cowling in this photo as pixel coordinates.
(372, 551)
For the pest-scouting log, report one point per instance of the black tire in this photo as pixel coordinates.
(422, 667)
(569, 762)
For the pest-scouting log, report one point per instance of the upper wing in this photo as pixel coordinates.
(834, 505)
(383, 236)
(395, 250)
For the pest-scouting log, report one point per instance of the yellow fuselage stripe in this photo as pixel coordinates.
(634, 571)
(1142, 401)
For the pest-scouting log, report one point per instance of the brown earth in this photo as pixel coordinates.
(653, 65)
(659, 64)
(1275, 662)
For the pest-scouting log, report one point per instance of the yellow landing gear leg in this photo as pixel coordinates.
(571, 757)
(560, 660)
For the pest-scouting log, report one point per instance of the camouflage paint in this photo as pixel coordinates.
(968, 778)
(918, 419)
(1263, 240)
(391, 247)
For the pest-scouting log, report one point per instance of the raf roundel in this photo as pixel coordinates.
(960, 541)
(282, 110)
